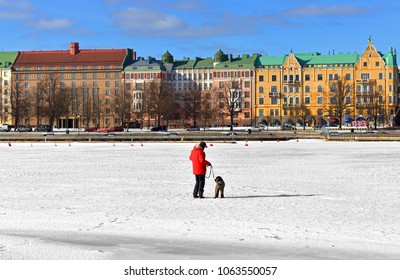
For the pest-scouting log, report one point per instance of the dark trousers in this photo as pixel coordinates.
(199, 187)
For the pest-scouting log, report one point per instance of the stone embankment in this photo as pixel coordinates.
(184, 136)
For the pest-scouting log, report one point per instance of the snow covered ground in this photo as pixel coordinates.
(284, 200)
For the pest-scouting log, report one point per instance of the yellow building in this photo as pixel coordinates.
(303, 88)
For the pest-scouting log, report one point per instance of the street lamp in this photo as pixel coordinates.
(78, 123)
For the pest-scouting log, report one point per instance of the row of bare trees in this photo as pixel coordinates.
(51, 101)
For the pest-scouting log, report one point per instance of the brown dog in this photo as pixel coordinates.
(219, 186)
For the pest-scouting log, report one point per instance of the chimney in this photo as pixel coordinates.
(73, 48)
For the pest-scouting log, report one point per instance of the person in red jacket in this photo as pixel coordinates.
(199, 162)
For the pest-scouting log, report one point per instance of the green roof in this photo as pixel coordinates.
(7, 59)
(245, 61)
(272, 60)
(318, 59)
(306, 59)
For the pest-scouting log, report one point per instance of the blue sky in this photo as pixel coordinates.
(200, 28)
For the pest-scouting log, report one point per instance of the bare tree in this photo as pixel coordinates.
(376, 107)
(232, 100)
(194, 103)
(19, 101)
(339, 98)
(159, 100)
(211, 110)
(123, 104)
(303, 113)
(37, 102)
(52, 96)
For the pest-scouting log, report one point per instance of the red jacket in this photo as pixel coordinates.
(198, 158)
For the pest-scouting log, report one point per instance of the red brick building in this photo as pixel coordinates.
(90, 78)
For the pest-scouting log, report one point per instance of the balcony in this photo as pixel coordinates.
(291, 82)
(366, 81)
(273, 94)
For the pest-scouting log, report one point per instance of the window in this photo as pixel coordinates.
(319, 88)
(307, 77)
(319, 77)
(107, 83)
(117, 83)
(364, 76)
(348, 77)
(365, 64)
(390, 76)
(320, 99)
(380, 76)
(261, 100)
(95, 84)
(73, 76)
(261, 112)
(246, 84)
(377, 64)
(307, 89)
(274, 101)
(261, 78)
(273, 78)
(221, 85)
(307, 100)
(274, 89)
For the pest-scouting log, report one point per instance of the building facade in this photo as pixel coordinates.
(298, 88)
(86, 83)
(6, 62)
(210, 76)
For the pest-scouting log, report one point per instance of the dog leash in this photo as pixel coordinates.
(211, 171)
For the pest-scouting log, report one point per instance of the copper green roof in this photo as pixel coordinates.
(266, 60)
(390, 58)
(197, 63)
(329, 60)
(7, 59)
(245, 61)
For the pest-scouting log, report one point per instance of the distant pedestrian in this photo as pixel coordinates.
(199, 162)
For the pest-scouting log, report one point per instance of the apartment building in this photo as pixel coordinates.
(90, 79)
(291, 86)
(211, 76)
(6, 61)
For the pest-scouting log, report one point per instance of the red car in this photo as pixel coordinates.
(90, 129)
(116, 129)
(111, 129)
(105, 129)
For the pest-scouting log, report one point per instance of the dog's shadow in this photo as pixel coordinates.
(271, 196)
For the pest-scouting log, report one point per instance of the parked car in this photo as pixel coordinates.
(43, 128)
(193, 128)
(90, 129)
(253, 128)
(159, 128)
(104, 129)
(116, 129)
(24, 129)
(5, 127)
(287, 127)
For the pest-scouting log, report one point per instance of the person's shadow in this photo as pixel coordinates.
(278, 195)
